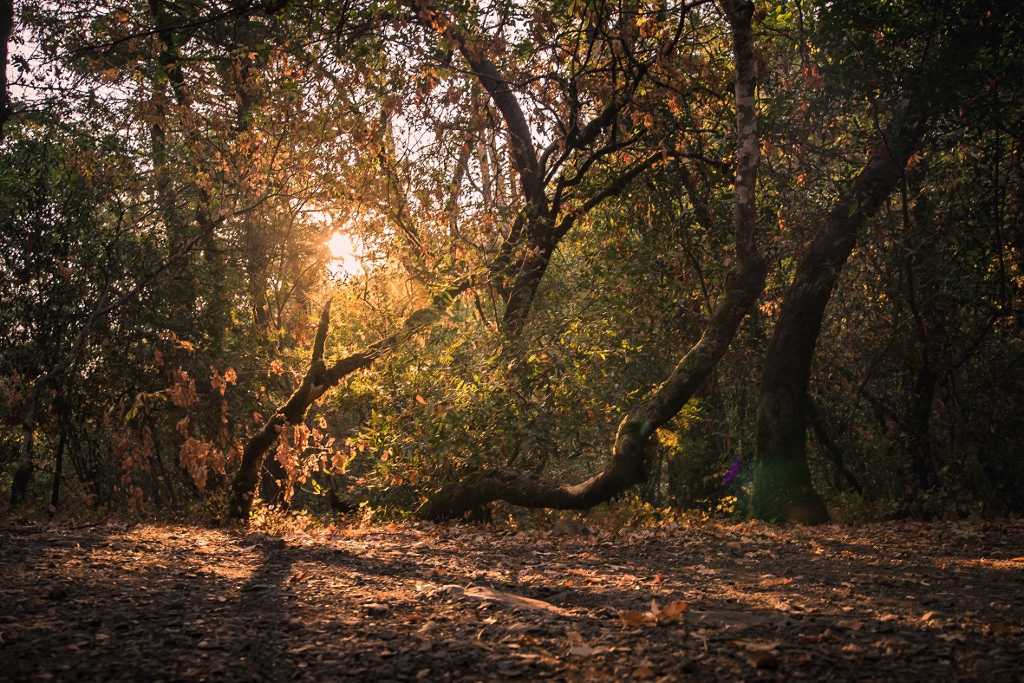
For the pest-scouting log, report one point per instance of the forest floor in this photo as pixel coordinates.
(894, 601)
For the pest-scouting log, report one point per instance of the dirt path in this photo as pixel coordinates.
(883, 602)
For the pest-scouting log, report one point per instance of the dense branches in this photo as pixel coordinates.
(646, 230)
(628, 465)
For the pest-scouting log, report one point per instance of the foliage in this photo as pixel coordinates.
(195, 161)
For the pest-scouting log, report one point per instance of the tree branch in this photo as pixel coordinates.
(316, 382)
(744, 283)
(524, 155)
(6, 27)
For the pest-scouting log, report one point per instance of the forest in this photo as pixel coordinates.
(399, 269)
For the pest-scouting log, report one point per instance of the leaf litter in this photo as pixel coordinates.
(419, 602)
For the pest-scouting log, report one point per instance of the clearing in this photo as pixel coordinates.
(412, 602)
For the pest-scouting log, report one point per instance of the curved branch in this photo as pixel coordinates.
(744, 283)
(318, 380)
(524, 155)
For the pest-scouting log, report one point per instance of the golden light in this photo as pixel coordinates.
(346, 255)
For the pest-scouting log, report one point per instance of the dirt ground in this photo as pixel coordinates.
(412, 602)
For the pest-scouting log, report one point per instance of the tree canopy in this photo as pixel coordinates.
(431, 258)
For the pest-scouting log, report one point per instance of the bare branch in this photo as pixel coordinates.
(524, 155)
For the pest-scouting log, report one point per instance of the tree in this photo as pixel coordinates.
(743, 285)
(6, 29)
(783, 489)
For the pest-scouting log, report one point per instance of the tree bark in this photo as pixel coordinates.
(6, 27)
(744, 283)
(58, 468)
(317, 381)
(524, 256)
(783, 490)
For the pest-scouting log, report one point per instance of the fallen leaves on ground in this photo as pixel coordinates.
(899, 601)
(655, 616)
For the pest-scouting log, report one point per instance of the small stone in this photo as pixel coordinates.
(453, 591)
(569, 527)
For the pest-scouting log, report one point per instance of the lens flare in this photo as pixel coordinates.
(346, 261)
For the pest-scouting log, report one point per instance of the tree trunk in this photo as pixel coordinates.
(6, 27)
(317, 381)
(782, 482)
(58, 468)
(526, 276)
(23, 474)
(744, 283)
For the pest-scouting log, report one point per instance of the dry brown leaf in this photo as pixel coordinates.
(637, 618)
(581, 650)
(672, 611)
(643, 672)
(758, 645)
(298, 577)
(996, 627)
(824, 635)
(656, 616)
(776, 582)
(421, 400)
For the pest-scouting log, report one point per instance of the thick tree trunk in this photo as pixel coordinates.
(744, 283)
(317, 381)
(783, 490)
(528, 274)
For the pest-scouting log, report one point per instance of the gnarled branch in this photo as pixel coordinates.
(317, 381)
(744, 283)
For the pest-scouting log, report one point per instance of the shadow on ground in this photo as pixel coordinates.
(155, 603)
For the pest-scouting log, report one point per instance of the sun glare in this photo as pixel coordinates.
(346, 262)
